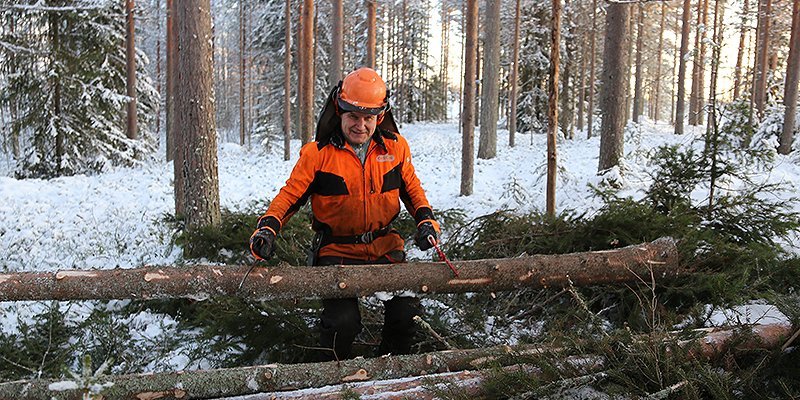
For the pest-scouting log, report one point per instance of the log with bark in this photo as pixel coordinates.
(276, 377)
(627, 264)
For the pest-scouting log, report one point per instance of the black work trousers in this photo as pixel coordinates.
(340, 322)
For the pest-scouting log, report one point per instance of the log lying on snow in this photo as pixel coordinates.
(276, 377)
(540, 271)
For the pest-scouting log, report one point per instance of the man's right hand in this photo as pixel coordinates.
(262, 243)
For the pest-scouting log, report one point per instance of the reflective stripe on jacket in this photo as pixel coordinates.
(348, 198)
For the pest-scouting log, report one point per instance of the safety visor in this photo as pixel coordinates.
(348, 107)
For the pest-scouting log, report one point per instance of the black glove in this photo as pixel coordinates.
(424, 230)
(262, 243)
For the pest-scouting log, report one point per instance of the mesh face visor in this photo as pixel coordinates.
(348, 107)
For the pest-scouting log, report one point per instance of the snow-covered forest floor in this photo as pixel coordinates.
(115, 219)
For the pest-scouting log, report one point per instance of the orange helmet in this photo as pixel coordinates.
(363, 91)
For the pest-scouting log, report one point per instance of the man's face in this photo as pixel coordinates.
(358, 127)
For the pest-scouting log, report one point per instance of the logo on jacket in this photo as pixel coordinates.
(385, 158)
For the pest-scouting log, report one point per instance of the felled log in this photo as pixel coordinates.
(276, 377)
(286, 282)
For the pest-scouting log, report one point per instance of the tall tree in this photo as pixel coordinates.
(679, 102)
(193, 116)
(638, 97)
(130, 62)
(737, 73)
(468, 104)
(337, 45)
(487, 148)
(592, 55)
(172, 53)
(512, 124)
(552, 111)
(242, 74)
(287, 81)
(790, 87)
(612, 91)
(697, 97)
(761, 69)
(307, 60)
(371, 32)
(659, 53)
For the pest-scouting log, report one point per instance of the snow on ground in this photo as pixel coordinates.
(114, 219)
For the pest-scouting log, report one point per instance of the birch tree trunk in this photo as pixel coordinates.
(790, 87)
(540, 271)
(194, 114)
(680, 101)
(487, 147)
(612, 93)
(468, 103)
(130, 69)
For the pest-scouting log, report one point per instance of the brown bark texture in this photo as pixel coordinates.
(638, 96)
(592, 55)
(288, 377)
(307, 76)
(487, 146)
(680, 106)
(194, 114)
(130, 70)
(287, 82)
(659, 53)
(737, 74)
(762, 50)
(552, 108)
(337, 42)
(468, 102)
(612, 93)
(242, 74)
(371, 32)
(512, 117)
(200, 281)
(790, 87)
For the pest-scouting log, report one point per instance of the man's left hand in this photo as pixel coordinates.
(424, 230)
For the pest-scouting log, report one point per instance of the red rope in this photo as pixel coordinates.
(442, 257)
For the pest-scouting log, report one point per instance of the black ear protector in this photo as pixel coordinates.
(336, 98)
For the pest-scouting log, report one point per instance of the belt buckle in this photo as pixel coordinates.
(367, 237)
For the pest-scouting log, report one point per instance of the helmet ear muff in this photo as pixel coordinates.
(380, 118)
(336, 99)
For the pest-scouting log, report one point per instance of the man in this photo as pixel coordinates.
(355, 173)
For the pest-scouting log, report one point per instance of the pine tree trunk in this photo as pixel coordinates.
(130, 70)
(487, 146)
(762, 50)
(194, 114)
(201, 281)
(657, 84)
(737, 77)
(307, 77)
(54, 20)
(790, 88)
(628, 90)
(468, 102)
(337, 44)
(158, 68)
(371, 32)
(593, 55)
(170, 89)
(612, 93)
(552, 109)
(282, 380)
(679, 103)
(637, 91)
(581, 85)
(242, 75)
(287, 81)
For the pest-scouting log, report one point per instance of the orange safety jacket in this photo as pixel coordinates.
(350, 199)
